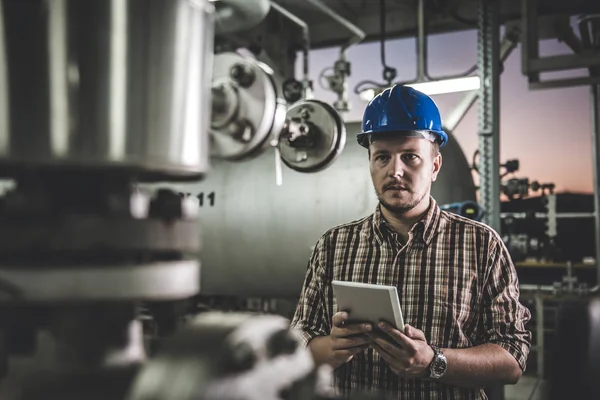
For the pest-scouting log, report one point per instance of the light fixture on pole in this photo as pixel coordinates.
(448, 85)
(431, 88)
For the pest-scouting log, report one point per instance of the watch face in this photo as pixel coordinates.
(439, 366)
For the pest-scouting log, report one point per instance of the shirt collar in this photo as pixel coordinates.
(426, 228)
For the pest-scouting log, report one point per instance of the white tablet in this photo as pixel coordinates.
(366, 302)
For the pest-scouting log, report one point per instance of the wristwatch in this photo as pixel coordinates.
(438, 365)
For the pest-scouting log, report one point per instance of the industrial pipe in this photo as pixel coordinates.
(359, 34)
(540, 215)
(305, 46)
(238, 15)
(421, 43)
(422, 70)
(339, 82)
(536, 288)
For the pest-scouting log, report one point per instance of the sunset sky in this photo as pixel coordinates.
(547, 130)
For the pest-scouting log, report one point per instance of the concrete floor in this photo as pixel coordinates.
(528, 388)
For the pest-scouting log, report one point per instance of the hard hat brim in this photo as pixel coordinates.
(365, 138)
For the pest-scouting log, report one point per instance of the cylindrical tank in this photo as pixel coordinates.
(258, 236)
(106, 84)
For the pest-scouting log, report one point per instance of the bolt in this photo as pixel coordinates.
(241, 130)
(301, 156)
(242, 74)
(305, 113)
(236, 128)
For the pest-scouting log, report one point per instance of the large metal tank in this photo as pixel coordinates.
(258, 237)
(106, 84)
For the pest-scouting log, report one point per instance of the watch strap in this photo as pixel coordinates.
(437, 356)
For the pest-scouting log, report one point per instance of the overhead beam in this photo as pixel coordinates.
(403, 23)
(532, 64)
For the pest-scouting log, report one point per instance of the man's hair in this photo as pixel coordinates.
(435, 149)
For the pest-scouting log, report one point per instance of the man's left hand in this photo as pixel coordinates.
(407, 354)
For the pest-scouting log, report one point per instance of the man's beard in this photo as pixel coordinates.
(402, 208)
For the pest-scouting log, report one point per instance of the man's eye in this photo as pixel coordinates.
(382, 157)
(411, 157)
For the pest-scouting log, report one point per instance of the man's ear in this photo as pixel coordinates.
(437, 165)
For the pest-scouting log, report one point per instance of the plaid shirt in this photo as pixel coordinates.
(455, 280)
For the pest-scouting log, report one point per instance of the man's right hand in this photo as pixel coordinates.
(343, 343)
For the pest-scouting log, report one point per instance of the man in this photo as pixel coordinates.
(457, 285)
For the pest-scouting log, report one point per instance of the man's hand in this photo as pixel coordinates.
(347, 340)
(407, 354)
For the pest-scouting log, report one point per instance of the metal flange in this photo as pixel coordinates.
(246, 107)
(313, 137)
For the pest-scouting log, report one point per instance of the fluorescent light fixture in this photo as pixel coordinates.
(448, 85)
(434, 87)
(368, 94)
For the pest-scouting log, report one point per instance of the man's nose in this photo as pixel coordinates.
(396, 167)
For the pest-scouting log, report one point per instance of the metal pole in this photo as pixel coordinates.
(421, 43)
(488, 43)
(305, 46)
(595, 111)
(539, 327)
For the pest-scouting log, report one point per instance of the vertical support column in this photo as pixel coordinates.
(488, 46)
(488, 57)
(539, 328)
(595, 111)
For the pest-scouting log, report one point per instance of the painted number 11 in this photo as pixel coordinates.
(209, 198)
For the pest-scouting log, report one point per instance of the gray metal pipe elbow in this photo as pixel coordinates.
(238, 15)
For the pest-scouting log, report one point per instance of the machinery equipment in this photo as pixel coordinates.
(102, 102)
(576, 350)
(105, 101)
(287, 220)
(550, 228)
(231, 356)
(467, 209)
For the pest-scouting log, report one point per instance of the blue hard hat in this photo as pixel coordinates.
(401, 109)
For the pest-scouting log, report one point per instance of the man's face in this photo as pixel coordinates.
(402, 170)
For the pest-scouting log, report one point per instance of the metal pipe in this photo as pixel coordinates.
(539, 215)
(238, 15)
(509, 43)
(305, 46)
(421, 43)
(359, 34)
(540, 333)
(460, 110)
(595, 124)
(536, 288)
